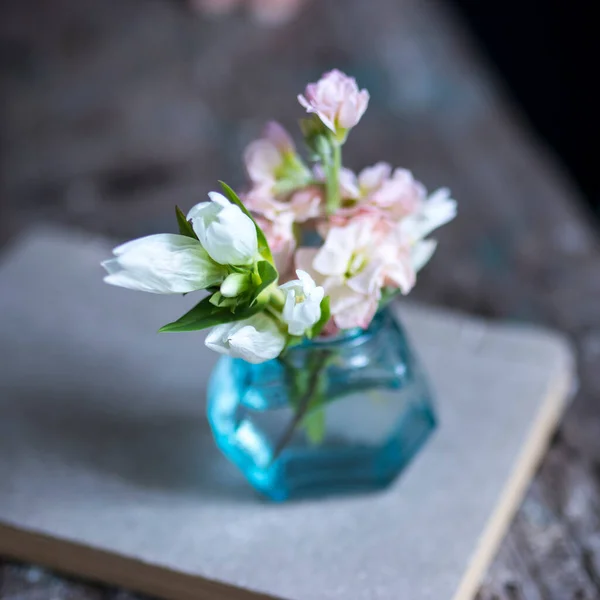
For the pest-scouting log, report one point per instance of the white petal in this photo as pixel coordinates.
(421, 252)
(369, 280)
(352, 309)
(163, 264)
(348, 184)
(254, 340)
(436, 211)
(335, 254)
(308, 283)
(226, 233)
(200, 212)
(218, 337)
(358, 314)
(302, 308)
(371, 178)
(289, 305)
(258, 340)
(317, 294)
(112, 266)
(126, 280)
(219, 199)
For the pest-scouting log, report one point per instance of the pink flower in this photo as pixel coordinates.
(306, 203)
(299, 206)
(354, 263)
(265, 157)
(396, 197)
(399, 194)
(381, 192)
(279, 137)
(372, 178)
(336, 100)
(282, 242)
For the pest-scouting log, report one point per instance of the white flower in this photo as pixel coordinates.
(163, 264)
(254, 340)
(302, 307)
(226, 233)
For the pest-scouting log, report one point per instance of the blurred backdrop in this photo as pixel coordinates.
(548, 56)
(113, 111)
(137, 103)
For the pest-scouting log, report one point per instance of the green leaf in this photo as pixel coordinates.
(268, 275)
(263, 245)
(325, 315)
(314, 425)
(205, 314)
(185, 227)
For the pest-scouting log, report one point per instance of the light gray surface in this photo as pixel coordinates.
(103, 441)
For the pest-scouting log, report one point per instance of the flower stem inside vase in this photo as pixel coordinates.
(307, 393)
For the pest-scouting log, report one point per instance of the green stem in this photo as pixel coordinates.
(332, 168)
(277, 299)
(304, 402)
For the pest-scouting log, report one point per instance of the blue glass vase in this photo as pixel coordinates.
(332, 415)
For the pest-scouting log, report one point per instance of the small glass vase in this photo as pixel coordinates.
(332, 415)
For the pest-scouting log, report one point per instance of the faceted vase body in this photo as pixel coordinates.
(330, 416)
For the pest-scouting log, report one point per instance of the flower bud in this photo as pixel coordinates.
(225, 232)
(336, 100)
(254, 340)
(163, 264)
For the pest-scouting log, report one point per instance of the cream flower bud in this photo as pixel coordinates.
(336, 100)
(302, 308)
(225, 232)
(235, 284)
(163, 264)
(254, 340)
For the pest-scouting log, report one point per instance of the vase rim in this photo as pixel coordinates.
(347, 335)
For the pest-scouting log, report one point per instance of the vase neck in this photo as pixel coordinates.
(379, 321)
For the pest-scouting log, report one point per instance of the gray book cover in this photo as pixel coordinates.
(108, 469)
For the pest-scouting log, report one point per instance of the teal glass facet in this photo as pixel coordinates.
(333, 416)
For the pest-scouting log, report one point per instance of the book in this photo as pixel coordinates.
(108, 469)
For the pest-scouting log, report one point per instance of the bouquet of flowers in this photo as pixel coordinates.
(308, 249)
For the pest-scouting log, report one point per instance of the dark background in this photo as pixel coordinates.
(112, 111)
(548, 54)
